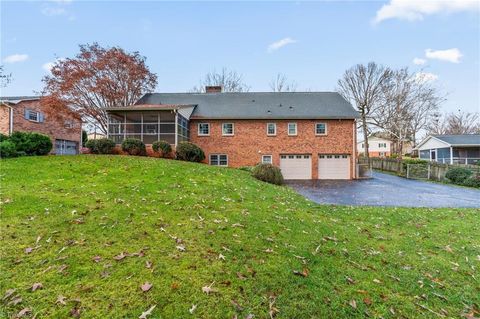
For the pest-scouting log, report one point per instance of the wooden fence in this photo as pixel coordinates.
(431, 170)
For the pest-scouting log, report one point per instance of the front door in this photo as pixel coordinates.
(433, 155)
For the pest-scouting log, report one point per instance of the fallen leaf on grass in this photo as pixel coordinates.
(61, 300)
(377, 281)
(97, 259)
(120, 256)
(367, 301)
(23, 312)
(148, 264)
(8, 293)
(208, 289)
(241, 276)
(147, 313)
(36, 286)
(303, 273)
(353, 304)
(221, 257)
(15, 301)
(236, 305)
(75, 312)
(191, 310)
(146, 286)
(28, 250)
(449, 249)
(350, 280)
(181, 248)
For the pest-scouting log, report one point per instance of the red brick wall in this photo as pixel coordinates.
(377, 154)
(250, 141)
(4, 119)
(53, 125)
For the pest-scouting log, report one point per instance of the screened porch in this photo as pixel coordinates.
(147, 126)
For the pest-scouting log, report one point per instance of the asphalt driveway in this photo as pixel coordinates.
(387, 190)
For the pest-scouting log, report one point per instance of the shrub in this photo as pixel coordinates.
(458, 175)
(190, 152)
(134, 147)
(3, 137)
(246, 168)
(162, 147)
(472, 181)
(406, 161)
(84, 138)
(7, 149)
(31, 143)
(268, 173)
(100, 146)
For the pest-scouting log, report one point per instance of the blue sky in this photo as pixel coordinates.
(312, 43)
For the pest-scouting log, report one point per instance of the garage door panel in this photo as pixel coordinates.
(332, 166)
(296, 166)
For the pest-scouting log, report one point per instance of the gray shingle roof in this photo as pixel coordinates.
(16, 99)
(463, 139)
(259, 105)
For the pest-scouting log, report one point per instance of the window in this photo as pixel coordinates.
(203, 129)
(292, 128)
(321, 129)
(363, 145)
(219, 160)
(68, 124)
(382, 145)
(381, 154)
(227, 129)
(33, 116)
(271, 129)
(267, 159)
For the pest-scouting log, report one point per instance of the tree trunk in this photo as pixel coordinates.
(365, 137)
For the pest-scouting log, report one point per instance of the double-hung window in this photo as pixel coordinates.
(219, 159)
(203, 129)
(271, 129)
(227, 129)
(320, 129)
(292, 129)
(266, 159)
(33, 116)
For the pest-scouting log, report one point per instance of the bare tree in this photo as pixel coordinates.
(455, 123)
(5, 79)
(281, 84)
(362, 86)
(406, 105)
(230, 81)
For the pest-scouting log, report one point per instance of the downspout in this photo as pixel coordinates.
(354, 154)
(176, 128)
(10, 128)
(451, 155)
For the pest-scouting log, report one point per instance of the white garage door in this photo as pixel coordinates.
(333, 166)
(296, 166)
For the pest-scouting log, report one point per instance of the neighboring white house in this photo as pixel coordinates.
(451, 149)
(377, 147)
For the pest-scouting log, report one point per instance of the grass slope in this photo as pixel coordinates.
(77, 213)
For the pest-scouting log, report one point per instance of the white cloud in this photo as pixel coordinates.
(53, 11)
(279, 44)
(418, 61)
(412, 10)
(48, 66)
(425, 77)
(14, 58)
(451, 55)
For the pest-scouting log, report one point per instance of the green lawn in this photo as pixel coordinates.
(93, 229)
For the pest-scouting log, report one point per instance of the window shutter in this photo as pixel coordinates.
(25, 115)
(40, 117)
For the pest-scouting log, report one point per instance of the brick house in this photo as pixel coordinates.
(28, 114)
(309, 135)
(377, 147)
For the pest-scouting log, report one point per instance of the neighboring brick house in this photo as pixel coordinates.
(28, 114)
(308, 135)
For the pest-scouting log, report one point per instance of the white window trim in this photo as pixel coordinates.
(271, 159)
(202, 134)
(218, 156)
(38, 116)
(326, 129)
(288, 129)
(233, 129)
(275, 129)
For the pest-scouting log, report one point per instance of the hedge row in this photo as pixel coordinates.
(24, 144)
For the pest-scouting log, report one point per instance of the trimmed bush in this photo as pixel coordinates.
(100, 146)
(268, 173)
(473, 181)
(190, 152)
(134, 147)
(162, 147)
(31, 143)
(7, 149)
(3, 137)
(458, 175)
(84, 138)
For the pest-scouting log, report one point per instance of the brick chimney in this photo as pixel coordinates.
(213, 89)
